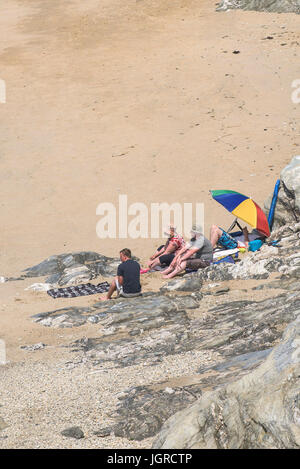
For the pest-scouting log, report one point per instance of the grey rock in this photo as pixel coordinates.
(145, 330)
(187, 283)
(34, 347)
(73, 432)
(221, 291)
(76, 274)
(287, 210)
(74, 268)
(279, 6)
(149, 312)
(103, 432)
(65, 317)
(142, 401)
(244, 414)
(144, 411)
(243, 332)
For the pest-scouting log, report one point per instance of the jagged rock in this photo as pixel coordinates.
(74, 268)
(34, 347)
(148, 349)
(186, 283)
(243, 332)
(147, 329)
(142, 401)
(144, 411)
(279, 6)
(145, 313)
(260, 410)
(256, 265)
(287, 234)
(65, 317)
(76, 274)
(287, 210)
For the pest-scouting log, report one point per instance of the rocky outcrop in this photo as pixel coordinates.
(73, 268)
(132, 316)
(278, 6)
(242, 391)
(242, 333)
(174, 325)
(287, 209)
(283, 258)
(260, 410)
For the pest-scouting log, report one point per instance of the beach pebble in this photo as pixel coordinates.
(169, 390)
(73, 432)
(34, 347)
(103, 432)
(39, 287)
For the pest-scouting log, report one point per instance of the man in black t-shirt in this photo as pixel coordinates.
(127, 281)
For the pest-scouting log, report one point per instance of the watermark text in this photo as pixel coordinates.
(295, 96)
(2, 91)
(137, 220)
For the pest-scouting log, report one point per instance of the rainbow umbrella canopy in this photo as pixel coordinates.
(243, 207)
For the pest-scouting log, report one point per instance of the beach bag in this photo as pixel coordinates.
(255, 245)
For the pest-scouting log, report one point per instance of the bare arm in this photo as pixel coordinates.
(158, 253)
(188, 254)
(120, 280)
(246, 237)
(178, 254)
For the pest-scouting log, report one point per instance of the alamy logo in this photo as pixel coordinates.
(2, 91)
(296, 93)
(146, 223)
(2, 352)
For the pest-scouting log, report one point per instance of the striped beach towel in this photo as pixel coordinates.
(79, 290)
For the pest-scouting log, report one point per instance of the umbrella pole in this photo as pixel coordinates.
(235, 223)
(232, 225)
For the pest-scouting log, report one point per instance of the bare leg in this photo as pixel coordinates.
(152, 259)
(215, 235)
(179, 268)
(168, 269)
(154, 263)
(171, 268)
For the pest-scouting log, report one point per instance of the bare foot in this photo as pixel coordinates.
(166, 271)
(103, 298)
(172, 274)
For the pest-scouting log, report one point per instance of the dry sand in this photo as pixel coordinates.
(144, 98)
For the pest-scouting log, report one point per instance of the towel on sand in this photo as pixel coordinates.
(79, 290)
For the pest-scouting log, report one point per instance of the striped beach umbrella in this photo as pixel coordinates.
(243, 207)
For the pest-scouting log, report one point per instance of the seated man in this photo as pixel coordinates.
(224, 239)
(127, 282)
(197, 254)
(166, 253)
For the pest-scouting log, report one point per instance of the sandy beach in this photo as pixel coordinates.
(160, 101)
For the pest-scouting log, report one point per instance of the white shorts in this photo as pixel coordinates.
(125, 295)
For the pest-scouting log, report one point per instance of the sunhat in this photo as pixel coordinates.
(167, 231)
(197, 229)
